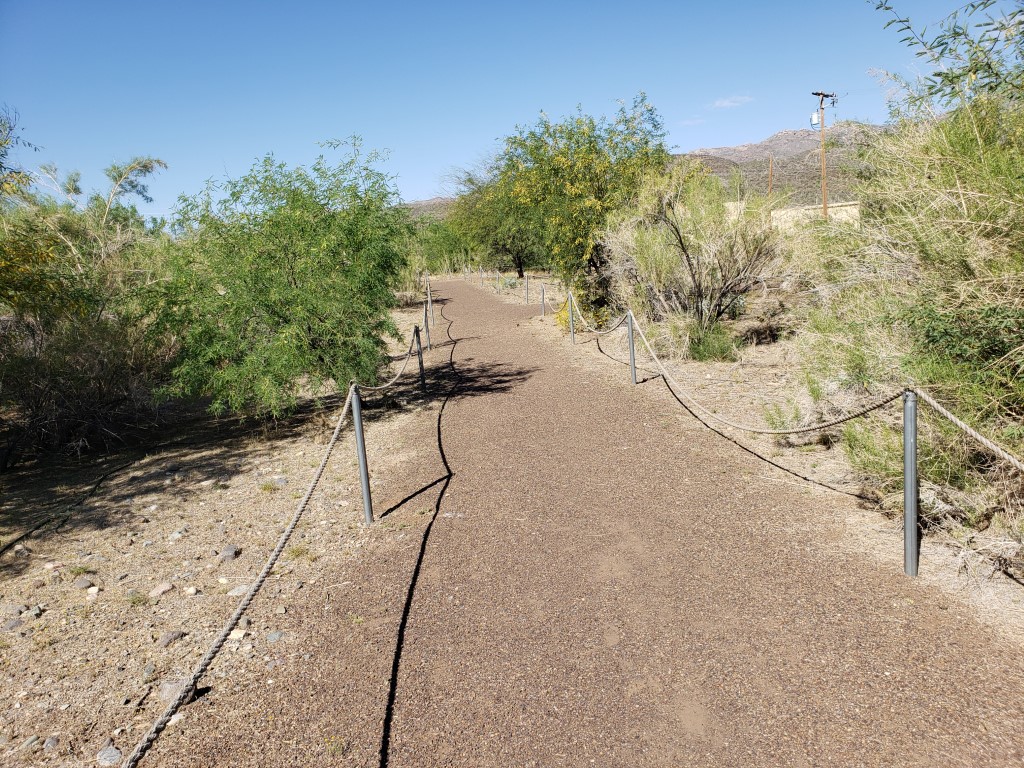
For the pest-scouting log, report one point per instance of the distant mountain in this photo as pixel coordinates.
(434, 208)
(796, 160)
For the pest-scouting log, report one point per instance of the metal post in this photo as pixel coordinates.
(543, 303)
(426, 325)
(632, 349)
(419, 357)
(497, 281)
(481, 277)
(910, 526)
(364, 474)
(527, 288)
(572, 320)
(430, 302)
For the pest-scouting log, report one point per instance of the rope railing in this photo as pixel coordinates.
(909, 395)
(352, 405)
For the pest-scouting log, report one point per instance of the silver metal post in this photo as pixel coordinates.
(481, 277)
(426, 325)
(572, 320)
(910, 528)
(632, 349)
(497, 281)
(364, 473)
(419, 357)
(430, 302)
(543, 303)
(527, 288)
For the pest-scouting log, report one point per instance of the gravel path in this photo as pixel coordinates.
(605, 582)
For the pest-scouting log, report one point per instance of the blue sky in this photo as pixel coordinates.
(211, 86)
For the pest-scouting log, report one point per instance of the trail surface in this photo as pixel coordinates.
(608, 583)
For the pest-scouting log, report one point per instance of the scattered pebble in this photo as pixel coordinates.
(109, 756)
(13, 609)
(191, 591)
(29, 742)
(82, 583)
(273, 637)
(169, 689)
(51, 744)
(236, 634)
(238, 591)
(93, 590)
(161, 589)
(170, 637)
(244, 622)
(229, 553)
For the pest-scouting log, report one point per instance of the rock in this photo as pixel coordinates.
(176, 719)
(222, 580)
(281, 610)
(13, 610)
(51, 744)
(191, 591)
(161, 589)
(169, 689)
(175, 536)
(273, 637)
(229, 553)
(244, 622)
(238, 591)
(236, 634)
(34, 612)
(12, 624)
(279, 480)
(93, 590)
(28, 743)
(52, 565)
(20, 550)
(82, 583)
(148, 672)
(170, 637)
(109, 756)
(147, 543)
(38, 584)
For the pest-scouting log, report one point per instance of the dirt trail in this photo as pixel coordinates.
(607, 583)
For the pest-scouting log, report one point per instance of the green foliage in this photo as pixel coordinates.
(507, 232)
(75, 362)
(974, 53)
(572, 173)
(679, 248)
(714, 343)
(439, 247)
(12, 178)
(284, 283)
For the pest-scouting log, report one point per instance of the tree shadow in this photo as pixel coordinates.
(58, 495)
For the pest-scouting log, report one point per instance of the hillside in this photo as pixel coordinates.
(797, 169)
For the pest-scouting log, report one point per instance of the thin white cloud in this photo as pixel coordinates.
(731, 101)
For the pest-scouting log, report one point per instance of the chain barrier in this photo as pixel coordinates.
(189, 686)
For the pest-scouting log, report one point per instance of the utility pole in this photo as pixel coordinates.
(821, 127)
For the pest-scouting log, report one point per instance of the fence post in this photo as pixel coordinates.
(497, 281)
(910, 526)
(632, 349)
(430, 302)
(419, 357)
(572, 319)
(481, 277)
(426, 325)
(543, 303)
(527, 287)
(364, 474)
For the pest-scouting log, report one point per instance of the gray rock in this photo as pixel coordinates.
(244, 622)
(161, 589)
(169, 689)
(279, 480)
(238, 591)
(82, 583)
(170, 637)
(51, 744)
(273, 637)
(28, 743)
(230, 552)
(148, 672)
(12, 624)
(13, 609)
(109, 756)
(175, 536)
(34, 612)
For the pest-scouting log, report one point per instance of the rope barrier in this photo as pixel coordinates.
(189, 686)
(992, 446)
(615, 326)
(757, 430)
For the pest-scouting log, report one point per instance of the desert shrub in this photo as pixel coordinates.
(680, 248)
(76, 363)
(284, 283)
